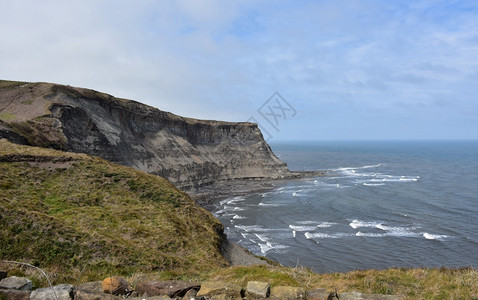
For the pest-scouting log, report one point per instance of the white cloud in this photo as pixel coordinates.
(223, 59)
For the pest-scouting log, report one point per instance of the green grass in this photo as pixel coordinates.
(68, 212)
(10, 84)
(7, 116)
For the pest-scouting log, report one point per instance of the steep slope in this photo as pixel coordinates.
(186, 151)
(67, 212)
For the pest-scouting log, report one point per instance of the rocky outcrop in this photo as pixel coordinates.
(288, 293)
(172, 288)
(211, 289)
(115, 285)
(16, 283)
(175, 289)
(188, 152)
(258, 289)
(58, 292)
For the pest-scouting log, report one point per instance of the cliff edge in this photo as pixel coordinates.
(188, 152)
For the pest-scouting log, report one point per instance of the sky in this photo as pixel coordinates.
(302, 70)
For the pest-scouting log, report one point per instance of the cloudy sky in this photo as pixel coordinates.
(311, 70)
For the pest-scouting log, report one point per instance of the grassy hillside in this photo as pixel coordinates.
(70, 212)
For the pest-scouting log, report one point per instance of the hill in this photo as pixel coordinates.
(188, 152)
(69, 212)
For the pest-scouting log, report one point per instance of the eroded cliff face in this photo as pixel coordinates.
(186, 151)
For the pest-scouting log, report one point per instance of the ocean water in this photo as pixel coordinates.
(383, 204)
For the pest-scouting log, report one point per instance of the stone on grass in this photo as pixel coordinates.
(258, 289)
(16, 283)
(115, 285)
(91, 287)
(215, 288)
(59, 292)
(288, 293)
(171, 288)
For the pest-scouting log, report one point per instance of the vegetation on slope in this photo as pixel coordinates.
(417, 283)
(71, 212)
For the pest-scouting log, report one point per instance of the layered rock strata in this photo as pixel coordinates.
(189, 152)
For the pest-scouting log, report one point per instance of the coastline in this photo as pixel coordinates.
(208, 195)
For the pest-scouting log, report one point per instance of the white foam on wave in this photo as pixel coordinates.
(270, 204)
(326, 224)
(258, 228)
(438, 237)
(306, 222)
(222, 202)
(239, 217)
(266, 247)
(294, 233)
(358, 224)
(355, 224)
(373, 184)
(297, 193)
(404, 233)
(261, 237)
(310, 235)
(357, 168)
(302, 228)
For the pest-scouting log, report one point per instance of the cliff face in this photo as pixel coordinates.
(186, 151)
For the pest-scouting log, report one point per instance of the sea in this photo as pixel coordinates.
(382, 204)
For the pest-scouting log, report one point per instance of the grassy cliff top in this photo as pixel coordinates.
(73, 213)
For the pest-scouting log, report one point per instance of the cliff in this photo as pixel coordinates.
(188, 152)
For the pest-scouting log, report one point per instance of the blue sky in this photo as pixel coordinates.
(343, 69)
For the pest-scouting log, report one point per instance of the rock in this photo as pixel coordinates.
(317, 294)
(288, 293)
(171, 288)
(214, 288)
(188, 152)
(91, 287)
(191, 294)
(58, 292)
(16, 283)
(115, 285)
(14, 295)
(258, 289)
(3, 274)
(85, 295)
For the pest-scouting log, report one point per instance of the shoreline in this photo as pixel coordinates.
(207, 196)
